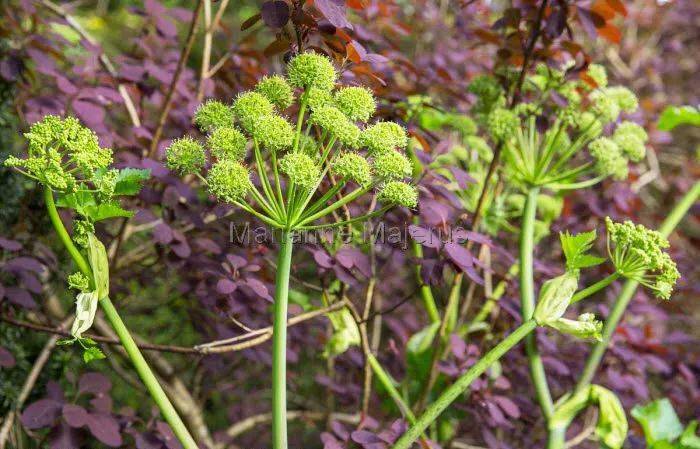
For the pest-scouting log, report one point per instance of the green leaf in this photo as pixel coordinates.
(418, 351)
(105, 211)
(65, 342)
(678, 115)
(130, 181)
(575, 248)
(689, 439)
(99, 263)
(612, 423)
(93, 353)
(658, 420)
(79, 201)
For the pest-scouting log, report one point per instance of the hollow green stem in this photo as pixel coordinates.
(426, 292)
(588, 291)
(144, 371)
(461, 384)
(279, 343)
(527, 300)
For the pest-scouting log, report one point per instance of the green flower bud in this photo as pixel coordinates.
(588, 123)
(331, 119)
(357, 103)
(399, 193)
(185, 155)
(318, 98)
(78, 281)
(354, 167)
(391, 165)
(502, 123)
(227, 143)
(301, 169)
(555, 296)
(274, 132)
(598, 74)
(276, 89)
(311, 70)
(631, 137)
(604, 105)
(228, 180)
(625, 98)
(213, 114)
(609, 159)
(384, 136)
(250, 107)
(81, 230)
(586, 327)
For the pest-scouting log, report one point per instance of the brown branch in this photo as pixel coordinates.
(263, 418)
(176, 77)
(206, 51)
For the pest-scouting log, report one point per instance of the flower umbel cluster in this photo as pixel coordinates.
(638, 253)
(303, 171)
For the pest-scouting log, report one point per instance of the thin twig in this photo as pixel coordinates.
(251, 422)
(176, 77)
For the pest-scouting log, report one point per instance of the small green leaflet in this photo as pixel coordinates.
(106, 210)
(93, 353)
(85, 204)
(575, 248)
(130, 181)
(658, 420)
(97, 256)
(674, 116)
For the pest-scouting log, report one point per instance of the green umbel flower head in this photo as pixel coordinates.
(399, 193)
(609, 159)
(274, 132)
(353, 166)
(301, 169)
(502, 123)
(357, 103)
(81, 230)
(390, 165)
(384, 136)
(311, 70)
(250, 107)
(318, 98)
(78, 281)
(631, 138)
(604, 105)
(228, 180)
(588, 123)
(276, 89)
(639, 254)
(332, 120)
(213, 114)
(625, 98)
(186, 155)
(227, 143)
(598, 74)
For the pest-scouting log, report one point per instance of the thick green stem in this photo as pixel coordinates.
(279, 343)
(556, 438)
(628, 290)
(588, 291)
(460, 385)
(140, 364)
(527, 300)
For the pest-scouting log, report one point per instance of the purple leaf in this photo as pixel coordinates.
(42, 413)
(20, 297)
(226, 286)
(364, 437)
(75, 415)
(94, 383)
(24, 263)
(508, 406)
(334, 11)
(236, 261)
(64, 437)
(7, 360)
(10, 245)
(424, 236)
(323, 259)
(162, 234)
(90, 113)
(105, 428)
(275, 13)
(463, 179)
(258, 287)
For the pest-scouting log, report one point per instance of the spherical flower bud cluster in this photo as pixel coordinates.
(311, 70)
(486, 87)
(631, 138)
(502, 123)
(318, 98)
(332, 120)
(301, 169)
(588, 123)
(390, 165)
(250, 107)
(639, 255)
(227, 143)
(357, 103)
(625, 98)
(399, 193)
(609, 158)
(384, 136)
(228, 180)
(81, 229)
(78, 281)
(354, 167)
(106, 182)
(598, 74)
(604, 105)
(276, 89)
(186, 155)
(274, 132)
(213, 114)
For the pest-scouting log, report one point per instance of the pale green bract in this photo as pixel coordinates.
(555, 296)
